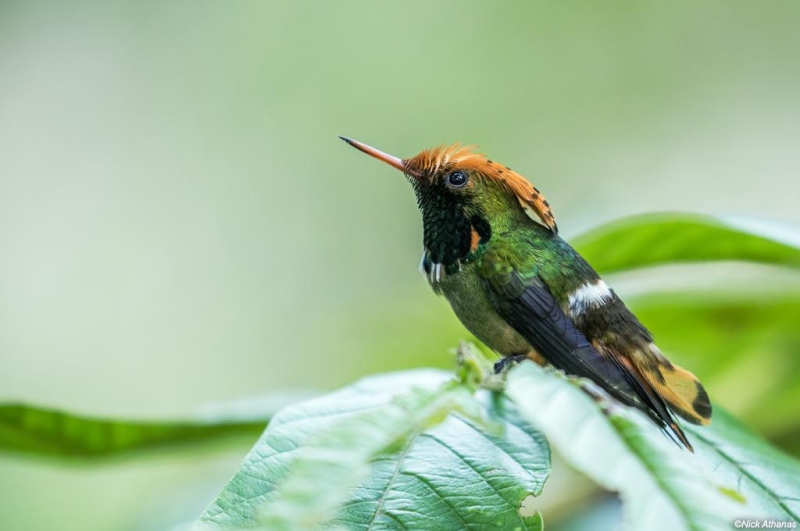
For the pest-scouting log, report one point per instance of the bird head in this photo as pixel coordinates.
(464, 196)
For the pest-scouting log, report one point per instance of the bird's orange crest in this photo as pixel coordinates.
(432, 162)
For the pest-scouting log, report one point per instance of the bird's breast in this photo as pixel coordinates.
(469, 299)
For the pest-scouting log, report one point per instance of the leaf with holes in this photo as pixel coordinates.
(386, 453)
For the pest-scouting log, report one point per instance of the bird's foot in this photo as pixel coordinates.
(508, 360)
(475, 369)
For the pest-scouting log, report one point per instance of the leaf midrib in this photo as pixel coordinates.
(395, 472)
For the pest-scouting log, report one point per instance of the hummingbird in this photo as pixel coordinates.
(491, 248)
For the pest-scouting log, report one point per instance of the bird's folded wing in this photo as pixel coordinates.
(529, 307)
(526, 303)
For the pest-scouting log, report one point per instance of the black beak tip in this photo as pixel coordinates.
(348, 140)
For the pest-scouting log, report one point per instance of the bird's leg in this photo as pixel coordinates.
(505, 362)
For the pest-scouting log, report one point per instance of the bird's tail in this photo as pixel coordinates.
(684, 394)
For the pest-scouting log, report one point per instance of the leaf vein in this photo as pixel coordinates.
(477, 472)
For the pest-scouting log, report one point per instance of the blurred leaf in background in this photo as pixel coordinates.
(180, 226)
(40, 431)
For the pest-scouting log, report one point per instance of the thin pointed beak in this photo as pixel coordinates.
(380, 155)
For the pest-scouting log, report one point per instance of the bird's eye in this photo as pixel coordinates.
(457, 179)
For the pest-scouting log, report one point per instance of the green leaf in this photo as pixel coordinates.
(649, 240)
(715, 329)
(766, 477)
(48, 432)
(661, 486)
(385, 453)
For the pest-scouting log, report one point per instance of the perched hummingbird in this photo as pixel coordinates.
(491, 247)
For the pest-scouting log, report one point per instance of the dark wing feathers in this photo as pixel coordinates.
(529, 307)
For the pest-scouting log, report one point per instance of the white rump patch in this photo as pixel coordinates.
(589, 296)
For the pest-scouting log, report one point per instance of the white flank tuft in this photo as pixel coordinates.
(589, 296)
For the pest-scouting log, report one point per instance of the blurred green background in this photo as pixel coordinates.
(179, 224)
